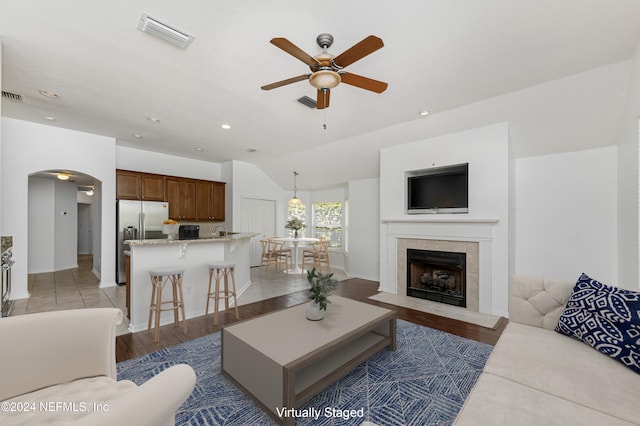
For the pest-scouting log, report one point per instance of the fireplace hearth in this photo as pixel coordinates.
(438, 276)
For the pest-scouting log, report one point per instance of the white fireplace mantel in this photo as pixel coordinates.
(452, 228)
(440, 219)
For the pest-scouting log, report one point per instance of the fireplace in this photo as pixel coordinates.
(439, 276)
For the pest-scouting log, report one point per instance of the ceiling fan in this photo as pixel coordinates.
(327, 70)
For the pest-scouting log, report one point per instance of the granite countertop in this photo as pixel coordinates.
(235, 236)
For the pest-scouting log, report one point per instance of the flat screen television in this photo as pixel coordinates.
(438, 190)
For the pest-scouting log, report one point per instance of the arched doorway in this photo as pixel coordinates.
(53, 219)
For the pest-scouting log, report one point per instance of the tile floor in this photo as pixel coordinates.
(78, 288)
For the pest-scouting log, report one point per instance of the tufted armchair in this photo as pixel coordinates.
(59, 367)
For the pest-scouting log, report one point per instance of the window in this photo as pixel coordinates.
(327, 222)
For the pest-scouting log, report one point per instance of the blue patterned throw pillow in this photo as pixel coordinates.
(606, 318)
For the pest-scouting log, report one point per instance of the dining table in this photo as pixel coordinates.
(294, 241)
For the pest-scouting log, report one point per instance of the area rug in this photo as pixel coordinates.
(424, 382)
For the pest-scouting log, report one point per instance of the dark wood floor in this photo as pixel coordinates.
(136, 344)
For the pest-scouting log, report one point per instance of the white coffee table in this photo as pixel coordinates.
(281, 359)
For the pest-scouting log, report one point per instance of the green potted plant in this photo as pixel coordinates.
(320, 286)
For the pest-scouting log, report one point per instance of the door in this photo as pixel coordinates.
(258, 216)
(85, 245)
(154, 213)
(127, 216)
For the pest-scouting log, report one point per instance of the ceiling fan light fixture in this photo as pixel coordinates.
(324, 79)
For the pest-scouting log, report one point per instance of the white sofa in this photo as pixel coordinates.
(60, 368)
(536, 376)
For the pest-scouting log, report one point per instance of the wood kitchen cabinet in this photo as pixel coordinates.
(128, 185)
(181, 196)
(139, 186)
(189, 199)
(153, 188)
(219, 201)
(210, 200)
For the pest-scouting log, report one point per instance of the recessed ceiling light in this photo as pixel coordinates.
(48, 118)
(251, 150)
(225, 126)
(153, 120)
(423, 113)
(137, 136)
(49, 94)
(199, 148)
(63, 176)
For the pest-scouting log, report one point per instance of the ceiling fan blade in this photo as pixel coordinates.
(358, 51)
(294, 50)
(363, 82)
(285, 82)
(323, 99)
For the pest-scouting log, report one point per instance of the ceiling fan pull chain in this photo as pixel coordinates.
(324, 125)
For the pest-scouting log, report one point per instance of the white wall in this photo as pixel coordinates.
(31, 147)
(164, 164)
(1, 85)
(628, 205)
(486, 149)
(41, 225)
(251, 182)
(566, 215)
(363, 258)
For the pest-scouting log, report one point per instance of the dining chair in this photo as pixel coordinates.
(285, 253)
(317, 255)
(269, 255)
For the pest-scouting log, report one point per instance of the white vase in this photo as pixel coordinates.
(314, 313)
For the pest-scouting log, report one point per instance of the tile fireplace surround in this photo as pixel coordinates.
(472, 267)
(475, 237)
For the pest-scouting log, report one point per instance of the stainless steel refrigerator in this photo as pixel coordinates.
(137, 220)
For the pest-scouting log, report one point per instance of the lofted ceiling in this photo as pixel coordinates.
(438, 55)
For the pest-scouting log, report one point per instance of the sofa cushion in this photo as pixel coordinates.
(65, 403)
(552, 363)
(537, 301)
(606, 318)
(497, 401)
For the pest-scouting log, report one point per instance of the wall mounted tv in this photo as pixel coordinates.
(438, 190)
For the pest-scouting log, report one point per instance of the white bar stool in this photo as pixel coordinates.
(220, 270)
(159, 277)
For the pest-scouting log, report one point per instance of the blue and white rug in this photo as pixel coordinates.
(424, 382)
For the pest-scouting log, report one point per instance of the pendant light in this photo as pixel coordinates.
(295, 201)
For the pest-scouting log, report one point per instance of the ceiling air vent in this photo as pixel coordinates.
(151, 25)
(12, 96)
(307, 101)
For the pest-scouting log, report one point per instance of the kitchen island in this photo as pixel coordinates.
(192, 255)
